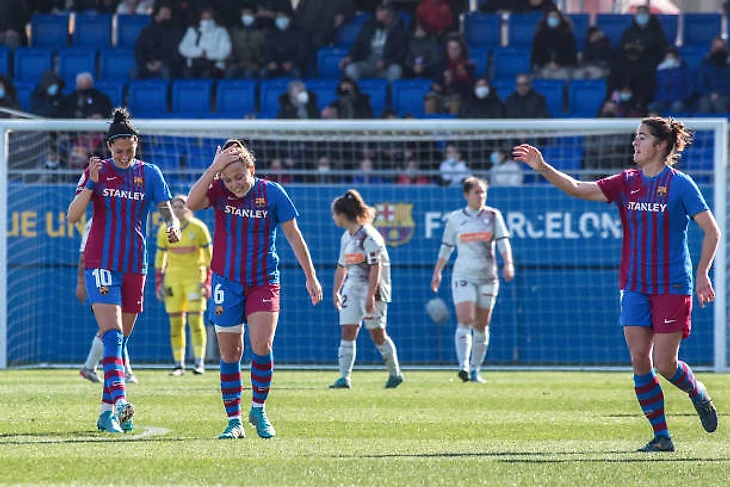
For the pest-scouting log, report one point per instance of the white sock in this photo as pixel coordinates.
(390, 356)
(462, 340)
(107, 407)
(95, 353)
(479, 348)
(346, 357)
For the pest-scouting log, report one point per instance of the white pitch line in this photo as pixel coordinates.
(149, 432)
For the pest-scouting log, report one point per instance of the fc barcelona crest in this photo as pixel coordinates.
(103, 290)
(395, 222)
(138, 181)
(219, 310)
(260, 202)
(661, 190)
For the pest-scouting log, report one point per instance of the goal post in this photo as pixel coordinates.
(561, 309)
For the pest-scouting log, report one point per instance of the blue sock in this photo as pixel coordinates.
(651, 398)
(262, 371)
(685, 380)
(231, 387)
(114, 388)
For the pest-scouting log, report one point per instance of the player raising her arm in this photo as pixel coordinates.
(655, 203)
(474, 231)
(182, 281)
(246, 274)
(122, 190)
(364, 261)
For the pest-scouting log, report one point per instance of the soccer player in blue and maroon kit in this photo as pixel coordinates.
(122, 190)
(245, 266)
(656, 203)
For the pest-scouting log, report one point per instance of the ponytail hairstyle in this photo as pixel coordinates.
(472, 181)
(353, 207)
(246, 155)
(121, 126)
(671, 131)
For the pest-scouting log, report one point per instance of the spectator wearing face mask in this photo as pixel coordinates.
(47, 98)
(287, 48)
(623, 102)
(483, 102)
(156, 48)
(505, 171)
(298, 102)
(351, 103)
(8, 96)
(453, 170)
(248, 46)
(597, 55)
(674, 85)
(205, 47)
(713, 79)
(554, 54)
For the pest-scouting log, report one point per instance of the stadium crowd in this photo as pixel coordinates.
(642, 72)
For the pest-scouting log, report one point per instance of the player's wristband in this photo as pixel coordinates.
(90, 184)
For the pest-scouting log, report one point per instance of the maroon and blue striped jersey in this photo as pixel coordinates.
(655, 212)
(244, 239)
(122, 200)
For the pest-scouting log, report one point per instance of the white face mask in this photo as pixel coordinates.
(248, 20)
(481, 92)
(282, 22)
(206, 24)
(303, 97)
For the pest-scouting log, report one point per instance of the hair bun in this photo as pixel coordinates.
(121, 115)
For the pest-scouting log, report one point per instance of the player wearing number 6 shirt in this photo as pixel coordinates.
(365, 295)
(656, 203)
(122, 190)
(473, 231)
(246, 274)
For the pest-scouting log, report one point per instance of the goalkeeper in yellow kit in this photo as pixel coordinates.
(182, 280)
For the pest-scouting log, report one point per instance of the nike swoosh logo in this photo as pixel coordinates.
(634, 191)
(265, 300)
(666, 321)
(111, 179)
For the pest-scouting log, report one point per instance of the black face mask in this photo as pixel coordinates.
(719, 57)
(164, 24)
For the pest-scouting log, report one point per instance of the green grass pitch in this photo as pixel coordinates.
(519, 429)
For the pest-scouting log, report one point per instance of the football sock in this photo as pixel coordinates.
(177, 337)
(685, 380)
(651, 398)
(479, 348)
(231, 387)
(462, 340)
(114, 387)
(96, 352)
(198, 335)
(346, 357)
(262, 371)
(390, 356)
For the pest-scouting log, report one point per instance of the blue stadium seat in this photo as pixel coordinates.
(328, 62)
(23, 90)
(377, 89)
(580, 22)
(235, 98)
(325, 89)
(408, 96)
(479, 56)
(508, 62)
(129, 27)
(585, 97)
(148, 98)
(552, 90)
(113, 89)
(347, 33)
(614, 25)
(165, 161)
(49, 30)
(6, 55)
(482, 30)
(505, 87)
(693, 55)
(30, 63)
(521, 29)
(93, 30)
(116, 64)
(670, 26)
(564, 157)
(191, 98)
(75, 60)
(700, 28)
(269, 92)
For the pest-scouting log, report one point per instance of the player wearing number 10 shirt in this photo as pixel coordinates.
(122, 190)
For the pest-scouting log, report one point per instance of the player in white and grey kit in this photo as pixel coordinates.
(474, 231)
(362, 287)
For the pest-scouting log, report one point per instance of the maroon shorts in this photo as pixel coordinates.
(262, 298)
(671, 313)
(133, 292)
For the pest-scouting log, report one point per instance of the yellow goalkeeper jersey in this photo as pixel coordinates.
(187, 259)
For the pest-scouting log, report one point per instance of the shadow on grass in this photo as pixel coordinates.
(551, 457)
(60, 437)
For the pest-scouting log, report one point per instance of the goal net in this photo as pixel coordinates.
(560, 310)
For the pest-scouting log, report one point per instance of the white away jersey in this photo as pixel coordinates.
(357, 253)
(474, 234)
